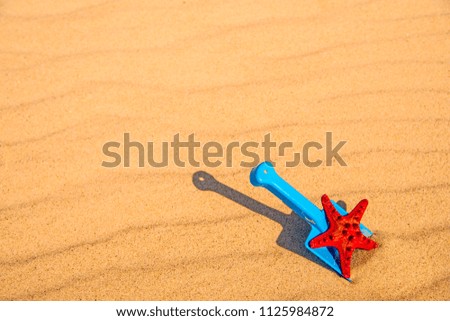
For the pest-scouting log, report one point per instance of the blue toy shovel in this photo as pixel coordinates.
(264, 175)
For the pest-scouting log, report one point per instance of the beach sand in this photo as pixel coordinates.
(78, 74)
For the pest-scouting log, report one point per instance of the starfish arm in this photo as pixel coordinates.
(345, 256)
(365, 243)
(330, 211)
(358, 212)
(324, 239)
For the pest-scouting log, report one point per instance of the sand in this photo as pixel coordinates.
(77, 74)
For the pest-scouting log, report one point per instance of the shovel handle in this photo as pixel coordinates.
(265, 175)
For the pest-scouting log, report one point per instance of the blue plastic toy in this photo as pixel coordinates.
(264, 175)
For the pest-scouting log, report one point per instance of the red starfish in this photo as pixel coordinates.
(343, 233)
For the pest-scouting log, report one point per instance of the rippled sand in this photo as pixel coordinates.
(76, 75)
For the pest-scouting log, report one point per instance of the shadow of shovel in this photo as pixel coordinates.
(295, 229)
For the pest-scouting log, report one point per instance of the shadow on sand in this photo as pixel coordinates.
(295, 229)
